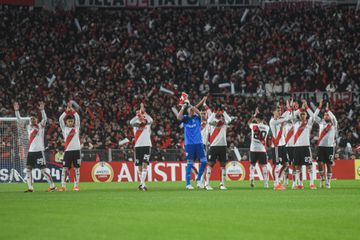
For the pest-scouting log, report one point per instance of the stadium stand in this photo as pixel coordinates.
(109, 61)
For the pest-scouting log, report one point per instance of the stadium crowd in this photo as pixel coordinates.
(110, 61)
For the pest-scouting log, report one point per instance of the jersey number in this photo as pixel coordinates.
(259, 135)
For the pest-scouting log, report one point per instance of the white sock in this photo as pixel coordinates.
(276, 173)
(63, 176)
(48, 177)
(202, 178)
(29, 179)
(328, 178)
(223, 176)
(311, 175)
(266, 175)
(193, 171)
(297, 177)
(77, 177)
(143, 176)
(252, 172)
(208, 174)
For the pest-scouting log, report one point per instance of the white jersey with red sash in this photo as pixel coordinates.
(259, 133)
(71, 134)
(217, 130)
(289, 134)
(142, 131)
(302, 130)
(327, 131)
(205, 132)
(277, 130)
(205, 128)
(36, 133)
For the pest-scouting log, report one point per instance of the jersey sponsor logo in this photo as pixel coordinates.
(69, 137)
(235, 171)
(299, 131)
(102, 172)
(324, 132)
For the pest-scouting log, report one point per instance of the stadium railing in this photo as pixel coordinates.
(169, 155)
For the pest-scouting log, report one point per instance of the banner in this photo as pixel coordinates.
(101, 3)
(17, 2)
(174, 3)
(137, 3)
(54, 169)
(357, 169)
(175, 171)
(334, 97)
(229, 2)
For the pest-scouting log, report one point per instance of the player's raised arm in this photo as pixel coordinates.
(212, 119)
(145, 114)
(61, 120)
(306, 107)
(181, 112)
(227, 118)
(314, 116)
(17, 113)
(135, 122)
(43, 114)
(250, 121)
(196, 110)
(77, 120)
(202, 102)
(67, 111)
(332, 116)
(148, 118)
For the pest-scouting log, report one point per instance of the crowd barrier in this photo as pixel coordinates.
(175, 171)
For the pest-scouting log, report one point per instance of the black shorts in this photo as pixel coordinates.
(290, 154)
(258, 157)
(217, 153)
(279, 155)
(72, 158)
(36, 159)
(302, 156)
(142, 155)
(326, 154)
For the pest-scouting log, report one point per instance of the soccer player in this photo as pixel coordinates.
(326, 145)
(302, 151)
(259, 133)
(218, 121)
(289, 142)
(280, 159)
(70, 126)
(205, 113)
(36, 157)
(194, 147)
(141, 124)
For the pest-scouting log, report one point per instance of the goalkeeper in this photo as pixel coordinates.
(194, 148)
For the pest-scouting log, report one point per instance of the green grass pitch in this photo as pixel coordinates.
(168, 211)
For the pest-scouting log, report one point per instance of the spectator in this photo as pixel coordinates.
(331, 87)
